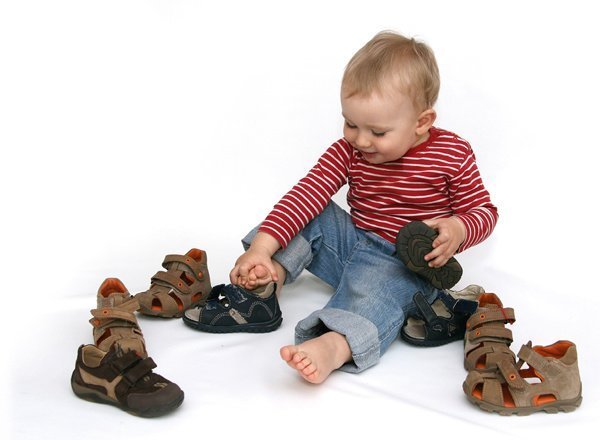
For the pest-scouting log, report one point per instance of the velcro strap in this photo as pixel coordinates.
(499, 352)
(132, 305)
(111, 313)
(459, 305)
(172, 281)
(533, 358)
(511, 375)
(189, 262)
(104, 324)
(139, 370)
(424, 308)
(500, 314)
(490, 333)
(494, 352)
(215, 292)
(465, 306)
(120, 364)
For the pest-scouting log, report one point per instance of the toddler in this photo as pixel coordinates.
(399, 168)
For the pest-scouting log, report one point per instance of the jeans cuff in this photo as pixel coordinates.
(293, 258)
(361, 335)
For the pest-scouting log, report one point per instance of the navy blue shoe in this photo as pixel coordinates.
(443, 321)
(231, 309)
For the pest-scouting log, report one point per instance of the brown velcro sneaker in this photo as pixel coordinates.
(125, 380)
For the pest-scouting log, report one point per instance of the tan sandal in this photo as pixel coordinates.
(487, 341)
(114, 321)
(185, 284)
(550, 384)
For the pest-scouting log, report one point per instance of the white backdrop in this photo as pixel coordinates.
(133, 129)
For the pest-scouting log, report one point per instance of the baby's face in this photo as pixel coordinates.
(381, 128)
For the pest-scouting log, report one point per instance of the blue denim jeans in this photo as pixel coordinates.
(373, 288)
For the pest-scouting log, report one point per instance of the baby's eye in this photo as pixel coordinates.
(349, 125)
(378, 133)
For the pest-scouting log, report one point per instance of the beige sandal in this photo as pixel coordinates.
(487, 341)
(550, 384)
(114, 321)
(185, 284)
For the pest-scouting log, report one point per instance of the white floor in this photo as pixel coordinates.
(130, 130)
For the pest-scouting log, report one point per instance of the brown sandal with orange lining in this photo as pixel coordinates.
(185, 284)
(487, 341)
(551, 383)
(114, 321)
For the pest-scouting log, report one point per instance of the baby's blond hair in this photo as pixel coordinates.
(390, 59)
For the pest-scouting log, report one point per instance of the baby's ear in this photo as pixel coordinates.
(425, 121)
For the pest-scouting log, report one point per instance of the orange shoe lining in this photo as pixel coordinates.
(112, 285)
(556, 350)
(543, 399)
(489, 298)
(177, 300)
(507, 397)
(156, 305)
(196, 254)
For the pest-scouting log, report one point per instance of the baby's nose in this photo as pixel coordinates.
(362, 141)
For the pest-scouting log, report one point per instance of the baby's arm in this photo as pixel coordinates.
(474, 213)
(451, 233)
(255, 267)
(297, 207)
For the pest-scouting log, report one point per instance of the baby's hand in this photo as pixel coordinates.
(252, 269)
(257, 277)
(451, 233)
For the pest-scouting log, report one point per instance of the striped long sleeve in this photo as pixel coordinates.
(436, 179)
(310, 195)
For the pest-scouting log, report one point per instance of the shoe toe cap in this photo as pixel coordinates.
(193, 314)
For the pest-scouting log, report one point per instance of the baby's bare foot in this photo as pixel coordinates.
(257, 277)
(317, 358)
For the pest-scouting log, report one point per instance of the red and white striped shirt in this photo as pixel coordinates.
(436, 179)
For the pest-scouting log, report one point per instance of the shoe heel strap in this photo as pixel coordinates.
(459, 305)
(423, 307)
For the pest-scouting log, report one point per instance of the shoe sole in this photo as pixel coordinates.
(414, 241)
(550, 408)
(96, 396)
(263, 327)
(430, 343)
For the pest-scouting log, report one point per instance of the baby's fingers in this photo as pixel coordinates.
(438, 256)
(439, 261)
